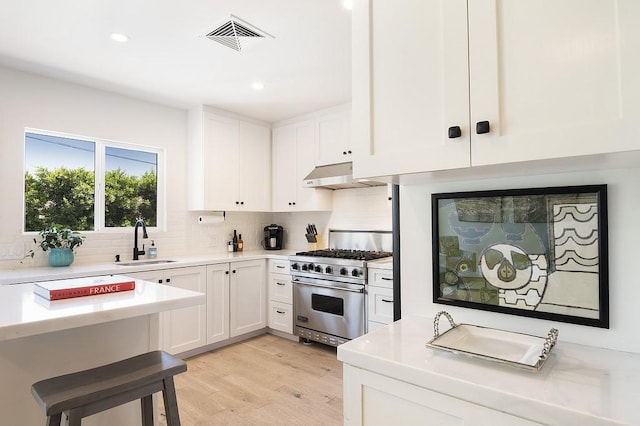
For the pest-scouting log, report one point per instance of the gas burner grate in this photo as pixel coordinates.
(346, 254)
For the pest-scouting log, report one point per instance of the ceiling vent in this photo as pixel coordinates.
(237, 34)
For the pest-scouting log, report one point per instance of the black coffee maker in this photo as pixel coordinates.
(273, 237)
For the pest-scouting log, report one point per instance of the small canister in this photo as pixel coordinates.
(230, 246)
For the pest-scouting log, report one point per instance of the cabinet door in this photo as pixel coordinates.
(554, 78)
(380, 304)
(294, 150)
(280, 288)
(254, 168)
(217, 302)
(185, 329)
(334, 138)
(308, 198)
(373, 399)
(284, 168)
(410, 84)
(281, 316)
(220, 149)
(248, 301)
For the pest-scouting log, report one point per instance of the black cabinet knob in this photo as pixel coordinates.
(344, 152)
(168, 280)
(349, 152)
(455, 132)
(226, 272)
(234, 271)
(237, 202)
(482, 127)
(242, 203)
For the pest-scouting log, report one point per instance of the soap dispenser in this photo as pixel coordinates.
(153, 250)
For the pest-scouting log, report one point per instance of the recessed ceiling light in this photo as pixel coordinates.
(347, 4)
(258, 85)
(121, 38)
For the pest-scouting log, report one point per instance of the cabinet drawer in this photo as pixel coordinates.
(278, 266)
(373, 326)
(281, 316)
(380, 277)
(380, 304)
(280, 288)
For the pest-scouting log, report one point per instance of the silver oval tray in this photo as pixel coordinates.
(515, 349)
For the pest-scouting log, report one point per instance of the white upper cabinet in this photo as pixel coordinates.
(294, 147)
(334, 137)
(229, 163)
(521, 80)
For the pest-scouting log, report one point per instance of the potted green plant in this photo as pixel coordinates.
(61, 242)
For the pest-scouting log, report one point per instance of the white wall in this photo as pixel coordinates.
(624, 240)
(27, 100)
(353, 209)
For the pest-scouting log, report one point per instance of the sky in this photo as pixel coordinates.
(55, 151)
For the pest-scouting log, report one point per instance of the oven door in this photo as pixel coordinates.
(329, 307)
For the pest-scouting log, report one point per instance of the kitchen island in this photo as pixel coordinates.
(41, 339)
(390, 377)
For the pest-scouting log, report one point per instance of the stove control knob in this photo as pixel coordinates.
(295, 267)
(303, 267)
(310, 266)
(318, 268)
(355, 273)
(328, 270)
(343, 271)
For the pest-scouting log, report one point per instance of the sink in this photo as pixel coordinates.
(144, 262)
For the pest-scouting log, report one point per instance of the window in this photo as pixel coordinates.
(88, 184)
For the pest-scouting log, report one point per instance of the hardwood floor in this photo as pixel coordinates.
(266, 380)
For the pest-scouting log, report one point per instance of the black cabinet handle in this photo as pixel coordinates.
(280, 312)
(159, 281)
(386, 278)
(482, 127)
(280, 266)
(387, 300)
(279, 283)
(455, 132)
(242, 203)
(234, 271)
(294, 203)
(349, 152)
(344, 152)
(226, 272)
(168, 280)
(237, 202)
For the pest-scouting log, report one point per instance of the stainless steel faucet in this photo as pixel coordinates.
(137, 252)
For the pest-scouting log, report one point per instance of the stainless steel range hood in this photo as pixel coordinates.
(336, 176)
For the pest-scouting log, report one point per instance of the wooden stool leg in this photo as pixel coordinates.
(170, 402)
(147, 410)
(54, 420)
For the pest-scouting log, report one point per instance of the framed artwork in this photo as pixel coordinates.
(537, 252)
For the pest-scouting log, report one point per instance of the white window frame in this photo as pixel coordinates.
(99, 170)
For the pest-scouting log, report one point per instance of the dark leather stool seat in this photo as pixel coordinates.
(87, 392)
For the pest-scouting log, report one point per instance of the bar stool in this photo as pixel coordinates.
(87, 392)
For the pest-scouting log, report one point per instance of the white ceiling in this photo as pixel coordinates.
(306, 67)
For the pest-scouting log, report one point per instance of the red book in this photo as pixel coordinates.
(78, 287)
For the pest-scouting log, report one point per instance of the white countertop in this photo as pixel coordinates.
(386, 263)
(578, 385)
(26, 275)
(25, 314)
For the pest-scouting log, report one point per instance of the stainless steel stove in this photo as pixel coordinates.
(329, 285)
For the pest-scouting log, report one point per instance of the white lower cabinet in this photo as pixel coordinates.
(181, 329)
(280, 291)
(217, 302)
(379, 298)
(236, 303)
(373, 399)
(247, 297)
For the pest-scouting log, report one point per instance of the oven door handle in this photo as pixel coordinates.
(333, 287)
